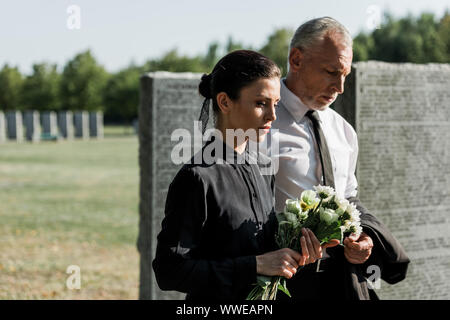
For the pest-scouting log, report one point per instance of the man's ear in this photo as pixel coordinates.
(295, 59)
(224, 102)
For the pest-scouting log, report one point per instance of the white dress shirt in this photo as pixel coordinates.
(297, 154)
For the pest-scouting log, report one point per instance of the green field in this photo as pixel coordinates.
(70, 203)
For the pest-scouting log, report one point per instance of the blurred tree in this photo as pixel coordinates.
(82, 83)
(211, 56)
(11, 82)
(232, 45)
(444, 34)
(121, 95)
(409, 39)
(173, 62)
(362, 47)
(40, 90)
(277, 47)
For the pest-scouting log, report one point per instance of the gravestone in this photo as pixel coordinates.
(32, 125)
(81, 124)
(168, 101)
(136, 126)
(96, 124)
(2, 127)
(14, 125)
(49, 124)
(402, 116)
(66, 124)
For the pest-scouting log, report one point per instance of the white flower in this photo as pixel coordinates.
(353, 212)
(328, 215)
(291, 217)
(355, 227)
(342, 203)
(324, 192)
(292, 206)
(308, 200)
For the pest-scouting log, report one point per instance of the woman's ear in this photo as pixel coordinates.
(295, 59)
(224, 102)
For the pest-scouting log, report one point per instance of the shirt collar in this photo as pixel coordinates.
(228, 153)
(292, 103)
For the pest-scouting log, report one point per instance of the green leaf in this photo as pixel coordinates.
(282, 286)
(263, 281)
(325, 232)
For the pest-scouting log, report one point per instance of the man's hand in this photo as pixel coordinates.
(358, 250)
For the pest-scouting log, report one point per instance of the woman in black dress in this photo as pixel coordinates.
(219, 225)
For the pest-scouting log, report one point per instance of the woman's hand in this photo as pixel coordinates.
(285, 262)
(311, 248)
(282, 262)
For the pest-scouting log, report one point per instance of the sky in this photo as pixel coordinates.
(121, 32)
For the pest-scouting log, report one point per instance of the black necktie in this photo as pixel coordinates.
(325, 159)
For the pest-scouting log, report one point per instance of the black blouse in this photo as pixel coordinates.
(218, 217)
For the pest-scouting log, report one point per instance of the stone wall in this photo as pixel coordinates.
(401, 113)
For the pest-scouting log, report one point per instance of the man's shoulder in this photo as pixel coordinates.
(338, 121)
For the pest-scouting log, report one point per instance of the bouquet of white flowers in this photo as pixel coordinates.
(320, 210)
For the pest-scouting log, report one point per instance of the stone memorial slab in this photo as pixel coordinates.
(66, 124)
(49, 124)
(401, 115)
(81, 124)
(96, 124)
(32, 125)
(168, 102)
(2, 127)
(14, 125)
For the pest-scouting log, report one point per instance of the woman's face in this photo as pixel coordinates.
(254, 110)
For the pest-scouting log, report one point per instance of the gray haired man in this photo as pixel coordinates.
(317, 146)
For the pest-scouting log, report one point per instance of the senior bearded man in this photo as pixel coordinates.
(317, 146)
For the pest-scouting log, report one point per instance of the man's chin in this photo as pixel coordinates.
(320, 107)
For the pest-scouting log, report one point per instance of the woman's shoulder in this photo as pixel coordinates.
(196, 172)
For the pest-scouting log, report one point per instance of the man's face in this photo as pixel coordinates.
(318, 73)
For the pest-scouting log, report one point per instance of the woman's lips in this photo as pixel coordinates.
(266, 129)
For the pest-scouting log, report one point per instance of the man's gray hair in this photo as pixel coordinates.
(315, 30)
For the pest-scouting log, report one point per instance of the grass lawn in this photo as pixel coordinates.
(70, 203)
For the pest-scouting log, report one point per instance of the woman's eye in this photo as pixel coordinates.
(261, 104)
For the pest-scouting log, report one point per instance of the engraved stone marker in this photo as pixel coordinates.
(96, 124)
(81, 123)
(49, 124)
(32, 125)
(14, 125)
(65, 124)
(169, 101)
(402, 116)
(2, 127)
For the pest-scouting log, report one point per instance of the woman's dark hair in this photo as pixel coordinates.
(232, 73)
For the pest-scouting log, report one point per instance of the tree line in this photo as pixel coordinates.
(84, 84)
